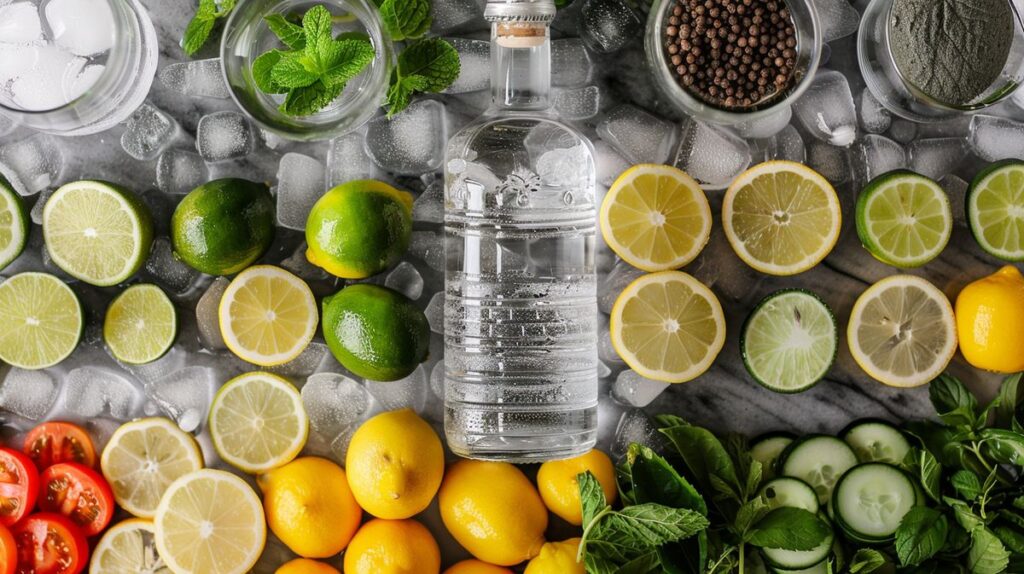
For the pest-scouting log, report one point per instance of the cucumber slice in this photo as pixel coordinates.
(818, 460)
(767, 448)
(876, 441)
(871, 499)
(791, 492)
(790, 560)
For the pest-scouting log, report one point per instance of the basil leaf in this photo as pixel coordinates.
(1009, 397)
(789, 529)
(987, 554)
(1003, 446)
(704, 455)
(966, 483)
(669, 421)
(865, 561)
(405, 19)
(955, 405)
(290, 34)
(920, 535)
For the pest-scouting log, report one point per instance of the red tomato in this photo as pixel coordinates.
(50, 544)
(50, 443)
(8, 551)
(19, 485)
(78, 492)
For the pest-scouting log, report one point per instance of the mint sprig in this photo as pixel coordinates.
(405, 19)
(201, 25)
(428, 65)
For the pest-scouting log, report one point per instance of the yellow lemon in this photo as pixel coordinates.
(306, 566)
(557, 558)
(990, 321)
(493, 511)
(393, 547)
(473, 566)
(309, 506)
(556, 481)
(395, 464)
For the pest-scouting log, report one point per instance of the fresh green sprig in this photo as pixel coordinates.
(202, 23)
(428, 65)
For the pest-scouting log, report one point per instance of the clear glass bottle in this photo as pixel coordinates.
(520, 296)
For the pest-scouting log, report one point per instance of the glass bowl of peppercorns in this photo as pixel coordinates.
(732, 61)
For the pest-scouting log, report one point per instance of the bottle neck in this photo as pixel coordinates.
(520, 66)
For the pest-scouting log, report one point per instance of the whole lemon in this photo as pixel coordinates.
(473, 566)
(395, 464)
(393, 547)
(309, 506)
(990, 321)
(557, 558)
(306, 566)
(556, 481)
(493, 511)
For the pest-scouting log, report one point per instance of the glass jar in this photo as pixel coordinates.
(808, 36)
(246, 37)
(122, 86)
(898, 95)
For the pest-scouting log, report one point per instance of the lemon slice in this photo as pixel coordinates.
(655, 217)
(668, 326)
(143, 458)
(41, 318)
(267, 315)
(995, 209)
(902, 331)
(210, 522)
(140, 325)
(904, 218)
(13, 224)
(781, 217)
(130, 546)
(257, 422)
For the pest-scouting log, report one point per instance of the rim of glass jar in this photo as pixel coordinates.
(999, 95)
(302, 128)
(656, 59)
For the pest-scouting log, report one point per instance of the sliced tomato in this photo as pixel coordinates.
(51, 443)
(78, 492)
(50, 544)
(19, 485)
(8, 551)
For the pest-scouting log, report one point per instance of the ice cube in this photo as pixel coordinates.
(635, 427)
(571, 65)
(83, 81)
(610, 286)
(637, 135)
(410, 143)
(575, 104)
(603, 370)
(994, 138)
(427, 247)
(37, 209)
(452, 15)
(92, 392)
(19, 23)
(766, 126)
(149, 131)
(429, 206)
(307, 363)
(710, 154)
(7, 125)
(84, 27)
(39, 77)
(903, 131)
(198, 78)
(300, 183)
(563, 167)
(207, 317)
(874, 117)
(826, 109)
(609, 163)
(32, 164)
(475, 61)
(339, 446)
(347, 160)
(936, 157)
(298, 264)
(224, 135)
(168, 270)
(184, 395)
(27, 394)
(333, 403)
(956, 190)
(830, 161)
(876, 155)
(606, 350)
(837, 19)
(406, 280)
(409, 392)
(180, 171)
(608, 25)
(435, 313)
(437, 380)
(635, 390)
(789, 145)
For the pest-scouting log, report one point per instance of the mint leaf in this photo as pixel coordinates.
(405, 19)
(966, 483)
(705, 456)
(865, 561)
(293, 72)
(316, 24)
(400, 93)
(955, 405)
(649, 524)
(262, 72)
(921, 534)
(591, 496)
(1011, 538)
(1004, 446)
(290, 34)
(987, 554)
(789, 529)
(429, 65)
(345, 59)
(201, 25)
(310, 99)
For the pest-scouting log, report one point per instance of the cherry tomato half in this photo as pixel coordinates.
(78, 492)
(50, 544)
(8, 551)
(50, 443)
(19, 485)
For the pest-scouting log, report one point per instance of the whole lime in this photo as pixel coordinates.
(223, 226)
(359, 228)
(375, 332)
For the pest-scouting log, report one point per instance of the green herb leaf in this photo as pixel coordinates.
(789, 529)
(928, 471)
(1004, 446)
(649, 524)
(921, 534)
(316, 24)
(865, 561)
(668, 421)
(964, 514)
(641, 564)
(199, 27)
(290, 34)
(704, 455)
(749, 513)
(429, 65)
(955, 405)
(966, 483)
(345, 59)
(310, 99)
(1012, 538)
(405, 19)
(292, 71)
(987, 554)
(935, 437)
(591, 496)
(262, 74)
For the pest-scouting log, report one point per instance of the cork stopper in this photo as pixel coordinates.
(519, 11)
(521, 34)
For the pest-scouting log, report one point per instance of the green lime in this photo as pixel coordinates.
(359, 228)
(995, 209)
(375, 332)
(42, 320)
(223, 226)
(97, 232)
(904, 219)
(13, 224)
(789, 341)
(140, 325)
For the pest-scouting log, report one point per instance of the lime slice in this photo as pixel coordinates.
(41, 318)
(902, 331)
(140, 325)
(210, 522)
(995, 210)
(257, 422)
(781, 217)
(655, 217)
(129, 546)
(97, 232)
(789, 341)
(13, 224)
(668, 327)
(904, 219)
(143, 458)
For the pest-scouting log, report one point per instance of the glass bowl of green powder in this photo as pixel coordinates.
(930, 60)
